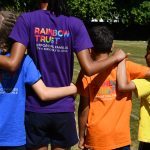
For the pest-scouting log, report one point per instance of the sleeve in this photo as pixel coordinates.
(82, 85)
(80, 36)
(20, 32)
(136, 71)
(143, 87)
(32, 74)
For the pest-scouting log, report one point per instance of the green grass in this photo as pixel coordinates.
(136, 52)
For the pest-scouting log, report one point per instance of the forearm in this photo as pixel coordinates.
(51, 93)
(82, 121)
(56, 93)
(83, 111)
(12, 62)
(90, 67)
(123, 84)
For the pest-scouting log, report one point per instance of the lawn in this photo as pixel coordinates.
(136, 52)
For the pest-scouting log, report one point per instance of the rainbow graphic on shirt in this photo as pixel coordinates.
(49, 39)
(107, 91)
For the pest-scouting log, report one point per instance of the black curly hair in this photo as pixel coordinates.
(7, 21)
(102, 39)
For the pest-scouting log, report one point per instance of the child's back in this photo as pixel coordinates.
(13, 92)
(108, 124)
(12, 102)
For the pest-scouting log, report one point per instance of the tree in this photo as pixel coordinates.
(124, 11)
(141, 13)
(92, 9)
(18, 5)
(133, 11)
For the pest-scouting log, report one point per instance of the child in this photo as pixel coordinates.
(52, 37)
(142, 88)
(104, 112)
(12, 95)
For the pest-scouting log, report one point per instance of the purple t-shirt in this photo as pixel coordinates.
(51, 42)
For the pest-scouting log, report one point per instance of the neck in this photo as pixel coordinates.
(101, 56)
(43, 6)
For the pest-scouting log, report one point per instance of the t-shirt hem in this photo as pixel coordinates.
(12, 144)
(109, 147)
(144, 140)
(83, 48)
(47, 110)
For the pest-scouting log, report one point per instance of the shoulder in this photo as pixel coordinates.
(131, 64)
(142, 86)
(28, 15)
(74, 22)
(75, 19)
(128, 62)
(27, 59)
(28, 64)
(142, 82)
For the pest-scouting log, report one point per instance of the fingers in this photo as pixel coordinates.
(119, 55)
(80, 145)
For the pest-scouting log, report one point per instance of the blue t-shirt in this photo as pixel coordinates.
(12, 102)
(51, 42)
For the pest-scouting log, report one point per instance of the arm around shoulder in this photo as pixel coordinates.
(122, 81)
(12, 62)
(91, 67)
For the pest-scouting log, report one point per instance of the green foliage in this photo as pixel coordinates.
(133, 11)
(89, 9)
(142, 13)
(124, 11)
(18, 5)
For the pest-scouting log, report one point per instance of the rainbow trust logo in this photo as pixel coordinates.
(107, 91)
(47, 35)
(48, 39)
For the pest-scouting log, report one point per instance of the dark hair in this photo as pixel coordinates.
(148, 44)
(58, 7)
(102, 39)
(7, 21)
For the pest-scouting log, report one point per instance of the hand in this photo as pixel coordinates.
(119, 55)
(74, 88)
(81, 143)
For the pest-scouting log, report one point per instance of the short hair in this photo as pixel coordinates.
(7, 21)
(58, 7)
(102, 39)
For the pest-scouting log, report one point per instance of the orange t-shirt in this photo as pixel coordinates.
(108, 125)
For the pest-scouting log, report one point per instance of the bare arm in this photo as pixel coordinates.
(123, 84)
(12, 62)
(51, 93)
(82, 119)
(148, 75)
(91, 67)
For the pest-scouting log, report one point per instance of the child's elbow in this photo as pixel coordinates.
(43, 97)
(121, 88)
(88, 71)
(12, 67)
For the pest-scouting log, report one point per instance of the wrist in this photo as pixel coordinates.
(114, 59)
(70, 90)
